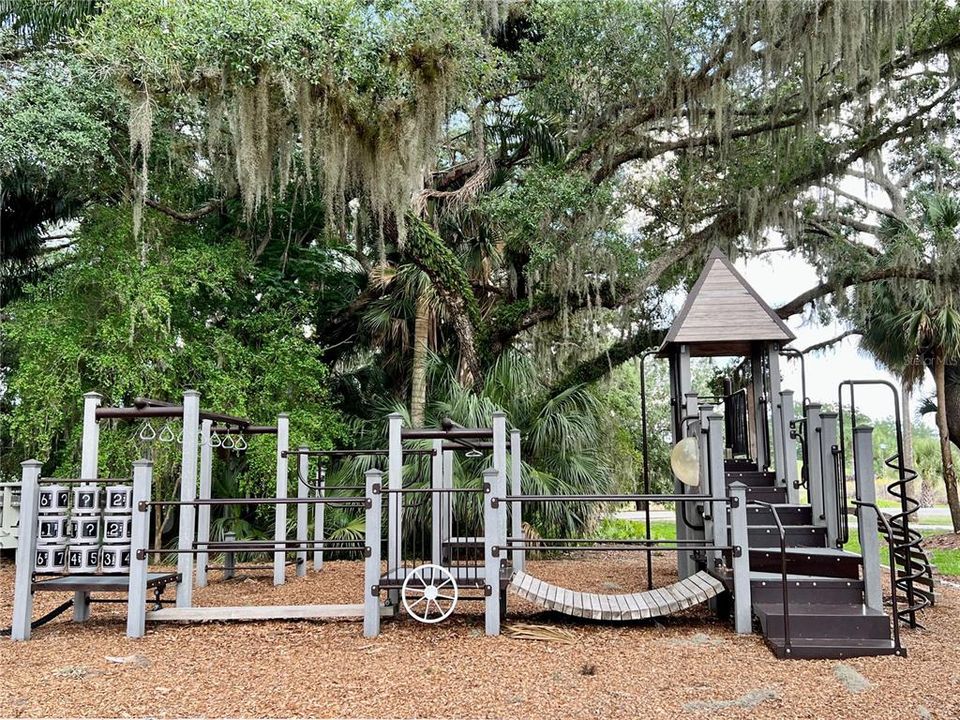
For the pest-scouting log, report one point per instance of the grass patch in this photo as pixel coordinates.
(619, 529)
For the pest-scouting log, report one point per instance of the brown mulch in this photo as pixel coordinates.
(947, 541)
(687, 665)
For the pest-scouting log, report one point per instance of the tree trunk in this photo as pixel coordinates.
(906, 414)
(949, 473)
(418, 384)
(952, 393)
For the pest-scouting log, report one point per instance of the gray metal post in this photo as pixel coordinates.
(188, 493)
(371, 567)
(139, 542)
(832, 477)
(436, 506)
(303, 493)
(516, 512)
(685, 563)
(206, 492)
(318, 521)
(89, 470)
(394, 499)
(26, 550)
(229, 559)
(280, 511)
(743, 619)
(789, 447)
(815, 464)
(718, 516)
(500, 463)
(491, 561)
(867, 521)
(776, 414)
(447, 508)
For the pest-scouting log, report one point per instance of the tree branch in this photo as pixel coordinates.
(828, 343)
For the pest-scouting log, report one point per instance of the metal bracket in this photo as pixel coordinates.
(487, 487)
(488, 590)
(368, 503)
(375, 590)
(141, 554)
(375, 489)
(142, 506)
(734, 502)
(737, 551)
(367, 551)
(495, 551)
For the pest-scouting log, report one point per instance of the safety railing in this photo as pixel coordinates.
(735, 421)
(891, 554)
(783, 572)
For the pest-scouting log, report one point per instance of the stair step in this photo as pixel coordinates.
(768, 536)
(739, 465)
(752, 478)
(789, 514)
(822, 561)
(821, 648)
(767, 494)
(833, 621)
(767, 587)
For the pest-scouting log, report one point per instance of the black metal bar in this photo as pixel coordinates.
(81, 481)
(354, 453)
(217, 502)
(609, 548)
(248, 430)
(428, 490)
(783, 572)
(893, 571)
(628, 541)
(221, 545)
(645, 450)
(610, 498)
(142, 402)
(451, 434)
(237, 548)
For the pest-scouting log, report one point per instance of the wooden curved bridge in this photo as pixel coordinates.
(694, 590)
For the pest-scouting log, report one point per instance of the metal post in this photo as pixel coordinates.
(832, 477)
(685, 564)
(303, 493)
(867, 521)
(318, 520)
(815, 464)
(89, 470)
(371, 567)
(188, 493)
(743, 619)
(789, 461)
(718, 515)
(500, 463)
(776, 415)
(394, 499)
(229, 559)
(26, 550)
(436, 506)
(139, 542)
(206, 492)
(280, 512)
(447, 508)
(516, 512)
(491, 561)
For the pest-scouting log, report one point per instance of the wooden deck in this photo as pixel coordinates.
(696, 589)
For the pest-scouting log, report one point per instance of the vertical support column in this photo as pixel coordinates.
(188, 494)
(491, 558)
(685, 562)
(776, 414)
(318, 519)
(89, 470)
(229, 559)
(26, 550)
(516, 512)
(500, 463)
(303, 494)
(394, 499)
(446, 509)
(203, 511)
(280, 510)
(832, 477)
(743, 619)
(815, 464)
(718, 515)
(436, 504)
(759, 399)
(139, 541)
(790, 474)
(371, 568)
(867, 521)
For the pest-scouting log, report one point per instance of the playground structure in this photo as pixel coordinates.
(757, 538)
(9, 515)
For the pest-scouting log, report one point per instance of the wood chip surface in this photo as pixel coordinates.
(649, 669)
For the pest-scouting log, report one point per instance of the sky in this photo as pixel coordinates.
(781, 276)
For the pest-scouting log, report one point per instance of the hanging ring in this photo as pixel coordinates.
(166, 434)
(228, 441)
(215, 440)
(240, 444)
(147, 432)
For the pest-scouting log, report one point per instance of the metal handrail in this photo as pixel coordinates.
(610, 498)
(783, 572)
(893, 570)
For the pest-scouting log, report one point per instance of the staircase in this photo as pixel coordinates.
(825, 610)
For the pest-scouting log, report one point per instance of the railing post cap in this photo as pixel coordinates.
(283, 416)
(812, 405)
(737, 485)
(143, 462)
(490, 472)
(786, 392)
(514, 431)
(863, 429)
(394, 416)
(32, 462)
(373, 472)
(499, 414)
(93, 394)
(829, 415)
(690, 394)
(190, 392)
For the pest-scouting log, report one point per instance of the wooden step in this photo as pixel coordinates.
(821, 648)
(823, 562)
(767, 494)
(767, 587)
(830, 621)
(789, 514)
(768, 536)
(751, 478)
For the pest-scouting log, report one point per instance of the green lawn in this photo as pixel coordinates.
(947, 561)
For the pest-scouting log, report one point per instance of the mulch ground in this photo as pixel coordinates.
(688, 665)
(947, 541)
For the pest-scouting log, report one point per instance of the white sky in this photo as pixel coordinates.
(778, 278)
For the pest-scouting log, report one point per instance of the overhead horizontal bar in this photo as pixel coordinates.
(451, 434)
(217, 502)
(613, 498)
(247, 430)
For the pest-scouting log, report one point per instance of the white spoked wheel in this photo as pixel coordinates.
(429, 593)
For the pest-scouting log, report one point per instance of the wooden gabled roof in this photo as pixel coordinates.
(723, 315)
